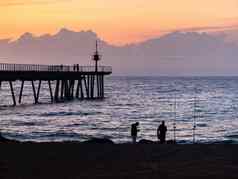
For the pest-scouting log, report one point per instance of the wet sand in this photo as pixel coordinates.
(78, 160)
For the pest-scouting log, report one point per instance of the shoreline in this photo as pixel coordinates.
(108, 140)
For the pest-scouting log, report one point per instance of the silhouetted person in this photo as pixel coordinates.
(77, 67)
(134, 130)
(161, 132)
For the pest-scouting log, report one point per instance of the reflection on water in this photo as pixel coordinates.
(129, 99)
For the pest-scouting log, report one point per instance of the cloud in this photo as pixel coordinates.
(203, 29)
(208, 29)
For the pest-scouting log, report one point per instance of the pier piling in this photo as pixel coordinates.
(13, 95)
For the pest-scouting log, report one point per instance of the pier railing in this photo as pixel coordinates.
(52, 68)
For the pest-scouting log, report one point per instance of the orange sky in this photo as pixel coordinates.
(117, 22)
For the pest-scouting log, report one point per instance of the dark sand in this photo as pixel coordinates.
(77, 160)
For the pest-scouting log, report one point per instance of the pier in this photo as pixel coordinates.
(70, 82)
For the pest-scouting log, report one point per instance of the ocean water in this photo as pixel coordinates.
(211, 101)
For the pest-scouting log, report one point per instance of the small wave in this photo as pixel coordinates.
(60, 134)
(29, 124)
(183, 142)
(68, 114)
(225, 142)
(21, 123)
(46, 136)
(201, 125)
(233, 136)
(130, 104)
(74, 125)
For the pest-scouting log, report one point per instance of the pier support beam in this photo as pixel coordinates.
(62, 89)
(102, 86)
(66, 89)
(38, 90)
(57, 91)
(73, 85)
(34, 91)
(86, 86)
(51, 93)
(81, 89)
(98, 87)
(71, 88)
(92, 86)
(77, 90)
(21, 91)
(13, 95)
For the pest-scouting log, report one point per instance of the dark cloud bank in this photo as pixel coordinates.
(174, 54)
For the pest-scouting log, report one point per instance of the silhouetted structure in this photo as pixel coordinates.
(96, 57)
(195, 115)
(66, 79)
(134, 131)
(161, 132)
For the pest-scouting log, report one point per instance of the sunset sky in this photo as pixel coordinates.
(118, 22)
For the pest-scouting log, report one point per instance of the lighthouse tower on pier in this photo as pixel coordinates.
(96, 57)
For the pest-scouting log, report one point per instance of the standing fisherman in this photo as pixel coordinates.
(134, 130)
(161, 132)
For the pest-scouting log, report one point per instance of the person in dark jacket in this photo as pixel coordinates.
(134, 131)
(161, 132)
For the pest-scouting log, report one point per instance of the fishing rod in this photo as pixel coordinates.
(175, 115)
(194, 116)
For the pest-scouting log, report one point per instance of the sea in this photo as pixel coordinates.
(195, 109)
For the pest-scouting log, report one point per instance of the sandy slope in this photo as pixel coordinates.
(75, 160)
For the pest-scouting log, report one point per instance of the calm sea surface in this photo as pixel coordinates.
(148, 100)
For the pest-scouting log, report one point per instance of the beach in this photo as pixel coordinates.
(88, 160)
